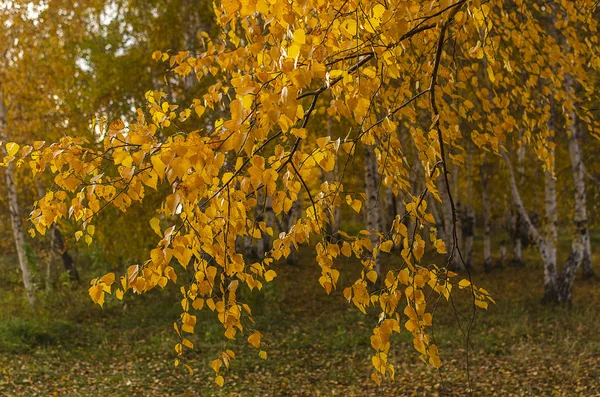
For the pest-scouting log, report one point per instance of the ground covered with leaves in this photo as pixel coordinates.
(317, 344)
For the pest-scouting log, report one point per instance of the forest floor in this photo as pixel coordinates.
(318, 345)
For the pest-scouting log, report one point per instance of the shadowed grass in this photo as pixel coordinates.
(316, 344)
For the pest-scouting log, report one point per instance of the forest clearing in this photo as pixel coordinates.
(318, 345)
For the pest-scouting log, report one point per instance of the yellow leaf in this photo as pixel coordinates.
(97, 294)
(199, 110)
(372, 276)
(346, 249)
(155, 225)
(434, 358)
(254, 339)
(119, 294)
(440, 246)
(159, 166)
(198, 303)
(12, 148)
(262, 354)
(350, 27)
(403, 276)
(270, 275)
(216, 365)
(299, 132)
(387, 246)
(108, 279)
(464, 283)
(490, 72)
(299, 36)
(375, 377)
(219, 380)
(481, 304)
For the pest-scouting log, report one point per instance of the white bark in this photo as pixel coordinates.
(551, 235)
(13, 203)
(372, 209)
(502, 260)
(271, 221)
(459, 212)
(468, 223)
(579, 255)
(390, 208)
(487, 228)
(517, 222)
(291, 218)
(550, 277)
(332, 177)
(580, 213)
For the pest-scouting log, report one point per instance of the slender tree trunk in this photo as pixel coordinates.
(372, 208)
(580, 214)
(517, 221)
(295, 214)
(192, 26)
(13, 205)
(551, 236)
(468, 224)
(432, 205)
(57, 247)
(550, 279)
(502, 260)
(271, 222)
(337, 215)
(588, 252)
(460, 212)
(455, 261)
(332, 178)
(579, 255)
(390, 208)
(487, 227)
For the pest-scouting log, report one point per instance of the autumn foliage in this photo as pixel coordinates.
(442, 74)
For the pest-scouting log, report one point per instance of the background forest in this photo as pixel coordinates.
(374, 198)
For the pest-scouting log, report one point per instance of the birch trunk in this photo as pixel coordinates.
(372, 209)
(517, 221)
(57, 247)
(579, 255)
(390, 208)
(448, 236)
(502, 260)
(487, 228)
(295, 214)
(550, 278)
(432, 205)
(332, 177)
(551, 235)
(580, 213)
(271, 221)
(13, 205)
(459, 212)
(468, 224)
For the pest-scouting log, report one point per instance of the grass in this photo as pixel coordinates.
(317, 344)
